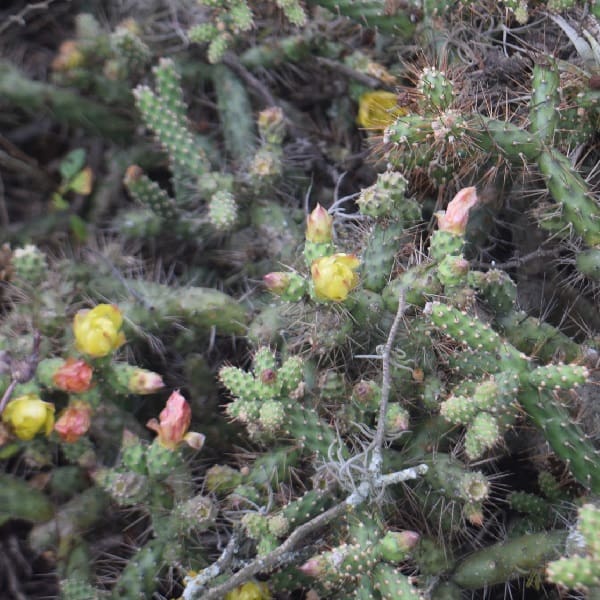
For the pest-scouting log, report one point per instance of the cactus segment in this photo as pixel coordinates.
(543, 112)
(507, 561)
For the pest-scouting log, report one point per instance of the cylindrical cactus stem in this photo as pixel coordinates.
(436, 90)
(148, 193)
(73, 588)
(450, 477)
(588, 263)
(385, 199)
(483, 433)
(564, 436)
(168, 87)
(543, 110)
(19, 500)
(577, 206)
(419, 283)
(171, 132)
(498, 289)
(235, 112)
(379, 254)
(131, 52)
(506, 561)
(342, 563)
(558, 376)
(157, 306)
(222, 211)
(139, 579)
(374, 13)
(470, 330)
(392, 584)
(125, 488)
(536, 338)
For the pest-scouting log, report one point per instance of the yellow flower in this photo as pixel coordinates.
(97, 331)
(334, 276)
(250, 591)
(377, 110)
(28, 415)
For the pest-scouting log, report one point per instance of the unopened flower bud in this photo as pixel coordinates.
(276, 281)
(143, 381)
(319, 226)
(454, 219)
(396, 545)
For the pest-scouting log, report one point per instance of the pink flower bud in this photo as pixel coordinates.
(454, 219)
(276, 282)
(312, 567)
(319, 226)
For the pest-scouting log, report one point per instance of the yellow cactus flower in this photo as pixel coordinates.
(253, 590)
(29, 415)
(378, 109)
(334, 276)
(97, 331)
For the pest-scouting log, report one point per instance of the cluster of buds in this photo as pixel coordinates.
(333, 275)
(97, 334)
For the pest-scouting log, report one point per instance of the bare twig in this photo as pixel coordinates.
(339, 67)
(264, 563)
(386, 378)
(21, 371)
(518, 261)
(19, 18)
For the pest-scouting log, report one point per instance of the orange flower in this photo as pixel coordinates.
(174, 421)
(74, 421)
(75, 375)
(454, 219)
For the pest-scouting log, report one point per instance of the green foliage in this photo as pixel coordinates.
(348, 425)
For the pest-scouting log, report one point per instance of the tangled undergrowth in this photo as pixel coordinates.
(299, 299)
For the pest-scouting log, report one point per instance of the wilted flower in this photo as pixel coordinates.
(334, 276)
(74, 421)
(75, 376)
(97, 331)
(252, 590)
(378, 109)
(29, 415)
(454, 219)
(173, 424)
(319, 226)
